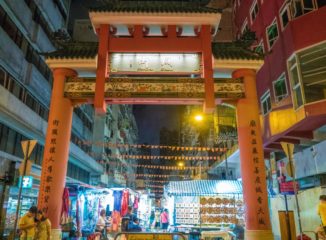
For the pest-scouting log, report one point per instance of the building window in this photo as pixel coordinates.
(280, 89)
(272, 33)
(300, 7)
(307, 71)
(23, 94)
(254, 11)
(295, 83)
(259, 48)
(265, 101)
(285, 16)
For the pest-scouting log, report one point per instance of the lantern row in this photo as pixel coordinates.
(142, 146)
(157, 157)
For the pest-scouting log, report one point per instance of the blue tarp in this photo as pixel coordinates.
(203, 187)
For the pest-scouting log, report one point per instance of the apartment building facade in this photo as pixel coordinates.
(26, 30)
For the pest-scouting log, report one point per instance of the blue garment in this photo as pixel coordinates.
(132, 227)
(117, 196)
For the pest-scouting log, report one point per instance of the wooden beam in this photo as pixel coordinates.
(300, 135)
(156, 44)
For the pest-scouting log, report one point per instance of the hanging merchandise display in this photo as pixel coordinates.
(205, 204)
(65, 207)
(125, 202)
(117, 195)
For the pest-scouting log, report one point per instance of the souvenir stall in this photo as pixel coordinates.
(201, 205)
(144, 209)
(82, 204)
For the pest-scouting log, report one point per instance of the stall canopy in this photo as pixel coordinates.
(203, 187)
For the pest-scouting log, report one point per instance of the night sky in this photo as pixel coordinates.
(151, 118)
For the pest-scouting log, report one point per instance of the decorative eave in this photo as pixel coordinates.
(150, 18)
(235, 55)
(78, 64)
(232, 64)
(80, 56)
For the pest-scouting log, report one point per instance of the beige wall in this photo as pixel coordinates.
(308, 202)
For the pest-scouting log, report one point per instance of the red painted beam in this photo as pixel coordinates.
(155, 44)
(273, 147)
(288, 140)
(300, 135)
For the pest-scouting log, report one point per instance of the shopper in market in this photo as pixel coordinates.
(165, 219)
(102, 224)
(133, 226)
(43, 227)
(130, 214)
(27, 224)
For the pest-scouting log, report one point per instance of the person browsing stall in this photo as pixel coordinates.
(27, 224)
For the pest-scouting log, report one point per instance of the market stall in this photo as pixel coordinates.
(205, 204)
(85, 203)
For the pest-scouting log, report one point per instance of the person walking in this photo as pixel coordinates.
(43, 227)
(102, 224)
(165, 219)
(27, 224)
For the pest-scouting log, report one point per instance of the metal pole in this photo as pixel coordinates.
(226, 162)
(287, 217)
(295, 191)
(21, 188)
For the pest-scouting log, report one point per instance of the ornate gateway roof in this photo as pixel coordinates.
(154, 7)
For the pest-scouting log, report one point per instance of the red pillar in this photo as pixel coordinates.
(207, 62)
(56, 151)
(102, 68)
(253, 174)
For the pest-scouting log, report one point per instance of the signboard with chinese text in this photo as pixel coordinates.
(155, 62)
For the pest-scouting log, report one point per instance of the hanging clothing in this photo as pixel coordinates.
(65, 207)
(125, 202)
(117, 195)
(116, 219)
(136, 202)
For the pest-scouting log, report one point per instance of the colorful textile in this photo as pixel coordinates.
(65, 207)
(136, 202)
(164, 217)
(117, 196)
(125, 202)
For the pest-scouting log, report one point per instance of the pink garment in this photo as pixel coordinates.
(136, 202)
(125, 202)
(164, 217)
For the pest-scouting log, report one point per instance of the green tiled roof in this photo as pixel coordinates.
(155, 7)
(233, 51)
(88, 50)
(76, 50)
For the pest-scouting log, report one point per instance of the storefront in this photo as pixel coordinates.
(28, 199)
(204, 205)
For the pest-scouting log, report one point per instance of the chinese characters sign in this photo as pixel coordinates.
(258, 181)
(154, 62)
(49, 165)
